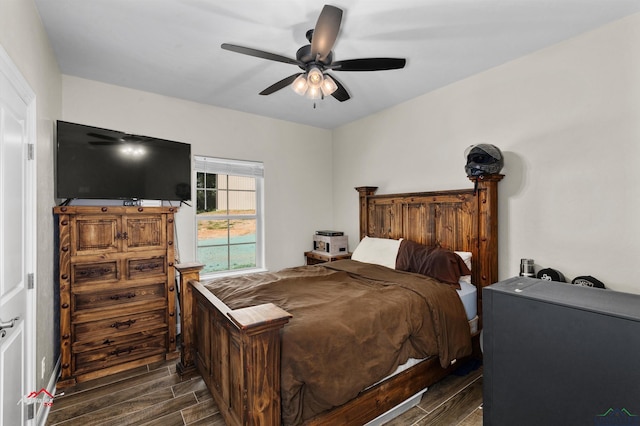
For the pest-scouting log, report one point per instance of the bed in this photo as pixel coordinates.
(237, 346)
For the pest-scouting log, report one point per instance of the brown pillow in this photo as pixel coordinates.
(443, 265)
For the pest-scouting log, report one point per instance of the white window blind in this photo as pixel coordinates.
(228, 167)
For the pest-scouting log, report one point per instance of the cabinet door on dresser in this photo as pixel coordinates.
(117, 291)
(144, 232)
(95, 234)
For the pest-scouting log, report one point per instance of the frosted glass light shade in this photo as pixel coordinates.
(315, 77)
(314, 92)
(328, 86)
(300, 85)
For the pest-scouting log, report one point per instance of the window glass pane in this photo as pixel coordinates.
(222, 182)
(242, 256)
(211, 198)
(212, 232)
(211, 180)
(244, 183)
(200, 180)
(242, 202)
(199, 201)
(242, 231)
(221, 202)
(215, 258)
(206, 200)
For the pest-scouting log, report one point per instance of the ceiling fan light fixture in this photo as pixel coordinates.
(314, 92)
(328, 86)
(314, 77)
(300, 85)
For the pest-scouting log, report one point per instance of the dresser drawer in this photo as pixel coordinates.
(117, 327)
(119, 297)
(114, 354)
(118, 341)
(141, 268)
(82, 273)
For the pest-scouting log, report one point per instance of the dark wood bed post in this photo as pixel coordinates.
(486, 263)
(364, 191)
(487, 193)
(236, 351)
(188, 272)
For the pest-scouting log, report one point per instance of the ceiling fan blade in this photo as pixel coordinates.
(369, 64)
(281, 84)
(101, 136)
(259, 53)
(326, 32)
(341, 93)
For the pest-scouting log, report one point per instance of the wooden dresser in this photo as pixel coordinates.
(117, 289)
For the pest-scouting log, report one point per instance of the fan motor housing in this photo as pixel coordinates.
(304, 55)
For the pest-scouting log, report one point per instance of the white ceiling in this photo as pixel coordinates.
(172, 47)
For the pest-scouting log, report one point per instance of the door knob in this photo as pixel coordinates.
(8, 324)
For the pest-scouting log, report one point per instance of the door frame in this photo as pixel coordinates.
(19, 83)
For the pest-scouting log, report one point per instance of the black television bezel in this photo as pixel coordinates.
(115, 196)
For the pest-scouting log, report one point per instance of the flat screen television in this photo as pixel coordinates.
(96, 163)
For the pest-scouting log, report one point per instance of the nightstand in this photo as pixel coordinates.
(314, 257)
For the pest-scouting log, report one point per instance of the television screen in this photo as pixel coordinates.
(95, 163)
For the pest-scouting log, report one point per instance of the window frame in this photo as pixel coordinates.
(221, 166)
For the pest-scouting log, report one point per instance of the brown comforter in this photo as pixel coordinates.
(353, 324)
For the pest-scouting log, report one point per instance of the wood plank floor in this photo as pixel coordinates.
(156, 395)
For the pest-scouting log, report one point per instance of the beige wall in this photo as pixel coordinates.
(297, 202)
(568, 121)
(24, 39)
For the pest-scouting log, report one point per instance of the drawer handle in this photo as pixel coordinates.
(93, 272)
(126, 324)
(144, 266)
(122, 296)
(117, 352)
(122, 236)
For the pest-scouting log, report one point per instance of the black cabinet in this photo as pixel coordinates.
(560, 354)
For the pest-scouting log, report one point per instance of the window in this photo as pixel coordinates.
(228, 214)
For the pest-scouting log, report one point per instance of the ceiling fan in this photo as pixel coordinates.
(120, 139)
(316, 59)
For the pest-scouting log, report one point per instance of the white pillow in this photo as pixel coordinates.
(380, 251)
(466, 257)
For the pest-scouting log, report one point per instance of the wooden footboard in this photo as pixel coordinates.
(237, 352)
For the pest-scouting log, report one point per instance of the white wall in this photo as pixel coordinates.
(568, 121)
(24, 39)
(296, 201)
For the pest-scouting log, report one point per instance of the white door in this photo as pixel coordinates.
(16, 214)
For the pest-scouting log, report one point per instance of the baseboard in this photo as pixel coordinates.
(43, 410)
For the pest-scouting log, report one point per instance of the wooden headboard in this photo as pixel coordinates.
(460, 220)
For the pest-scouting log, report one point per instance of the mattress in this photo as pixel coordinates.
(468, 295)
